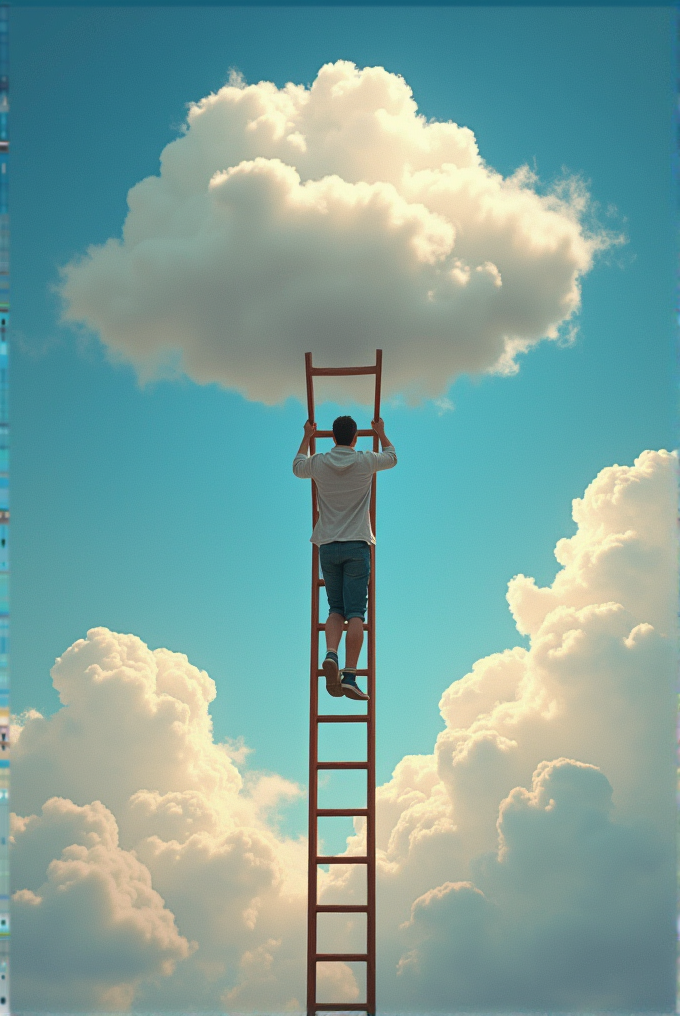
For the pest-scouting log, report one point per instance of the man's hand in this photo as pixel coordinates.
(310, 430)
(379, 429)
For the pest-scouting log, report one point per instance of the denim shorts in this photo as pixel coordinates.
(346, 567)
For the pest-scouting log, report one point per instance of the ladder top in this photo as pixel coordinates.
(341, 371)
(329, 433)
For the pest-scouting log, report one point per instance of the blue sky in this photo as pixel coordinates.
(525, 834)
(171, 511)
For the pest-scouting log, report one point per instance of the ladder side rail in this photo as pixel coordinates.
(312, 837)
(313, 859)
(376, 416)
(370, 732)
(310, 416)
(370, 798)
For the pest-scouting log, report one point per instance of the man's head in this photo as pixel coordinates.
(344, 430)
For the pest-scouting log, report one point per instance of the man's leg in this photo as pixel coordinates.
(332, 573)
(353, 641)
(334, 626)
(356, 573)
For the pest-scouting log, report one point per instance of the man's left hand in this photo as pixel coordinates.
(310, 428)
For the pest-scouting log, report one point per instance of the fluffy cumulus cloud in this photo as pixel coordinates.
(136, 833)
(333, 218)
(527, 863)
(546, 810)
(88, 915)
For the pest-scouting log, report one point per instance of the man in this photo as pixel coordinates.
(343, 535)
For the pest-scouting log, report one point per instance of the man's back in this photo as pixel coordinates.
(343, 480)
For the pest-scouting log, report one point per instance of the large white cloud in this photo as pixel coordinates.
(528, 862)
(333, 218)
(142, 804)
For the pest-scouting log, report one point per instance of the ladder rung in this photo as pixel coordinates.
(342, 765)
(329, 433)
(342, 957)
(363, 672)
(346, 859)
(340, 371)
(343, 812)
(322, 626)
(342, 1006)
(347, 908)
(347, 718)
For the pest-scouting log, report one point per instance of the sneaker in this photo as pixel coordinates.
(350, 688)
(332, 675)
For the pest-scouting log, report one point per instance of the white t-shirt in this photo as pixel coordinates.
(343, 482)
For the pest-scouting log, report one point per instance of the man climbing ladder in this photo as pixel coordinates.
(343, 534)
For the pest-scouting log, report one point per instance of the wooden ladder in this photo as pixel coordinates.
(314, 859)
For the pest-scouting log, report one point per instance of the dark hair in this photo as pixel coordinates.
(344, 429)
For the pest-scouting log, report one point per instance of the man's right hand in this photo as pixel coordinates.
(379, 430)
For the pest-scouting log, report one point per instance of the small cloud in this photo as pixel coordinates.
(237, 749)
(444, 405)
(236, 78)
(568, 335)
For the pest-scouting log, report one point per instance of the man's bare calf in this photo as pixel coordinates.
(353, 641)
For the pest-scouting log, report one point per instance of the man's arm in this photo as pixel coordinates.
(302, 463)
(310, 430)
(388, 457)
(379, 428)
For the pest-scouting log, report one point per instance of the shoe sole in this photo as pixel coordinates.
(332, 675)
(349, 692)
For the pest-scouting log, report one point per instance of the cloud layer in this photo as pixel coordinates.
(546, 812)
(334, 218)
(151, 837)
(119, 929)
(527, 863)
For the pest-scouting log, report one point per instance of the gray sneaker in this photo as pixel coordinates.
(351, 689)
(332, 675)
